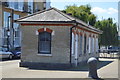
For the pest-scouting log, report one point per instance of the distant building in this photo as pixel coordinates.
(119, 20)
(1, 18)
(54, 39)
(10, 32)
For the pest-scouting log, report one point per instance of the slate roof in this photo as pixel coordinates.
(52, 15)
(47, 15)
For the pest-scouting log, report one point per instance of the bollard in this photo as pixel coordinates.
(92, 63)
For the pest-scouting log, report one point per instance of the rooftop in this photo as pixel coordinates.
(53, 15)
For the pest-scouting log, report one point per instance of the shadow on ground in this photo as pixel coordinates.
(79, 68)
(9, 59)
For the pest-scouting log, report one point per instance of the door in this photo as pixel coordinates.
(76, 50)
(74, 58)
(73, 49)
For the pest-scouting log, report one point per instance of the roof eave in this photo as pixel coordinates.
(45, 22)
(90, 28)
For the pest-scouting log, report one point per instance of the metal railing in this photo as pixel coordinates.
(111, 55)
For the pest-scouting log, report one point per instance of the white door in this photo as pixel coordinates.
(74, 58)
(73, 49)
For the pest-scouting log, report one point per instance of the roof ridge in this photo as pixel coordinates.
(65, 15)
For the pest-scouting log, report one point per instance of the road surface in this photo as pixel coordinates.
(10, 69)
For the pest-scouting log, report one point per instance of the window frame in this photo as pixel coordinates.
(42, 53)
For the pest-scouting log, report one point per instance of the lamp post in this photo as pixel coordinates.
(12, 28)
(8, 43)
(8, 34)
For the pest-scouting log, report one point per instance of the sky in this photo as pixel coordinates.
(103, 10)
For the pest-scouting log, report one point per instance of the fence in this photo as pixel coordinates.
(111, 55)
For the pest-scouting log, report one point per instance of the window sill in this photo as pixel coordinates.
(44, 54)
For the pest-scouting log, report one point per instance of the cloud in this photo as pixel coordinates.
(112, 11)
(98, 10)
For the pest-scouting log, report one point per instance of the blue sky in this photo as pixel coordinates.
(102, 10)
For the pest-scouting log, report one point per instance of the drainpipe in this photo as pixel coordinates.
(71, 43)
(12, 28)
(8, 34)
(71, 40)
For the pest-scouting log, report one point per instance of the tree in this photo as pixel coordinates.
(109, 36)
(92, 19)
(82, 12)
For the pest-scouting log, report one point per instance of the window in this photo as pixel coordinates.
(6, 14)
(11, 4)
(96, 44)
(20, 5)
(17, 34)
(89, 45)
(73, 43)
(85, 44)
(30, 6)
(6, 26)
(44, 44)
(47, 4)
(81, 44)
(16, 17)
(44, 4)
(93, 45)
(16, 5)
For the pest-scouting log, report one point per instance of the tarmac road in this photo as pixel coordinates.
(10, 69)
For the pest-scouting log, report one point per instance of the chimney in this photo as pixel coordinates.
(88, 23)
(69, 14)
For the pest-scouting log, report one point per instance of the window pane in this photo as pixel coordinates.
(30, 6)
(45, 46)
(45, 36)
(16, 5)
(20, 5)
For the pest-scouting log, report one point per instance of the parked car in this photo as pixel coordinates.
(113, 49)
(16, 52)
(103, 50)
(5, 54)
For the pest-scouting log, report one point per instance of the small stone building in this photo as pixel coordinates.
(51, 38)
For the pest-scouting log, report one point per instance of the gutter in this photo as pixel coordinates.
(39, 22)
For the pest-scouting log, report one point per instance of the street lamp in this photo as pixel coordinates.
(8, 34)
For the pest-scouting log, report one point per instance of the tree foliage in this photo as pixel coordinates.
(109, 36)
(82, 12)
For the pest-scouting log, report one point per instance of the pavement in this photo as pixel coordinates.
(107, 68)
(110, 70)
